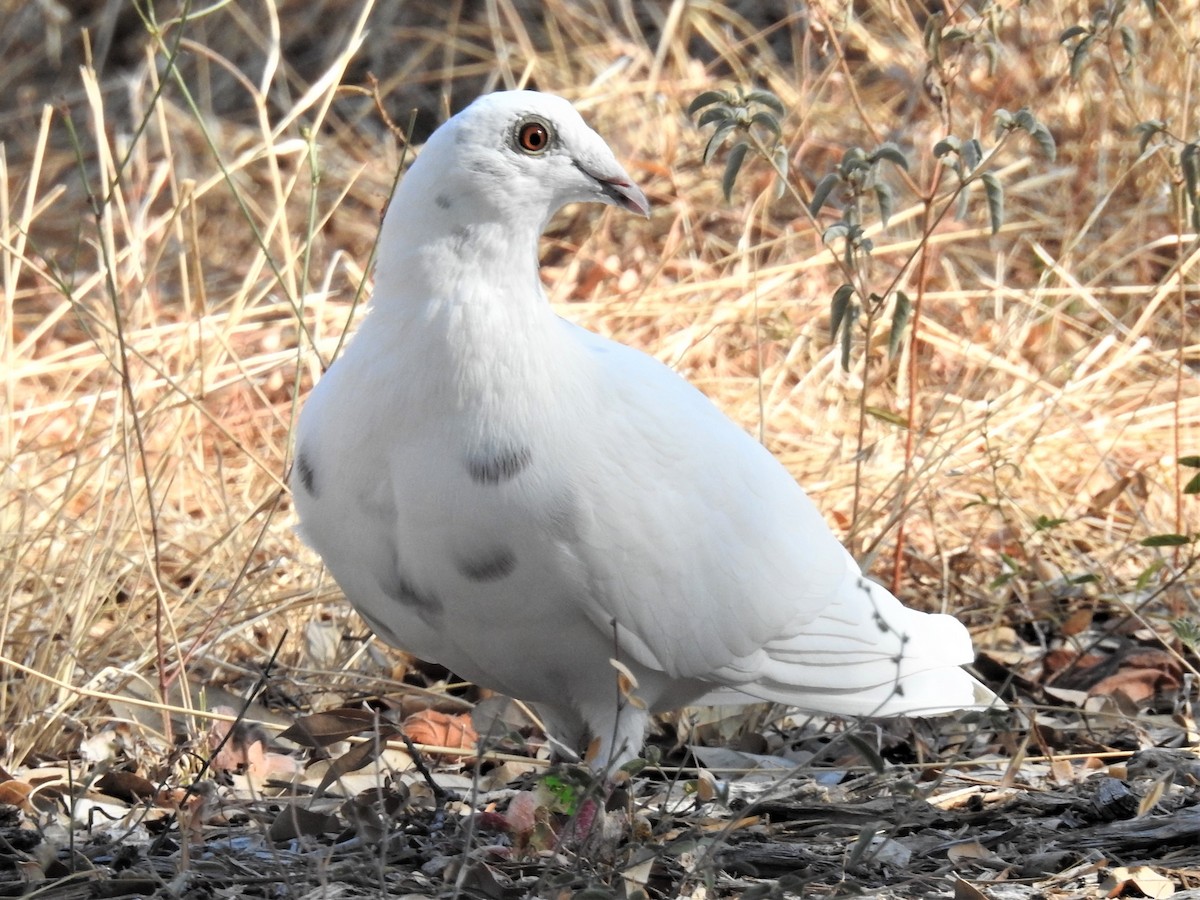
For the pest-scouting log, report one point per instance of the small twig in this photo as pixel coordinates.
(440, 794)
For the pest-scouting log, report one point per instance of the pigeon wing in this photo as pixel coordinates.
(708, 561)
(702, 548)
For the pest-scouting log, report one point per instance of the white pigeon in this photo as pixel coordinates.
(523, 501)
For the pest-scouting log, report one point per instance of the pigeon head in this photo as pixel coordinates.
(523, 153)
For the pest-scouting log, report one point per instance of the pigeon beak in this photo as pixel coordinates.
(616, 188)
(619, 191)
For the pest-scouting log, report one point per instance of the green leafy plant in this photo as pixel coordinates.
(1191, 462)
(858, 184)
(1176, 539)
(1102, 32)
(751, 118)
(859, 187)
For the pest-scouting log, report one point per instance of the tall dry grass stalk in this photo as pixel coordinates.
(185, 234)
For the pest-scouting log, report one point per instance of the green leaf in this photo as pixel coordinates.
(899, 319)
(634, 766)
(717, 139)
(769, 122)
(933, 36)
(964, 202)
(852, 160)
(1045, 523)
(1025, 119)
(991, 50)
(972, 154)
(848, 246)
(884, 197)
(1189, 161)
(736, 157)
(767, 99)
(1129, 42)
(708, 98)
(1188, 631)
(847, 332)
(565, 792)
(1010, 562)
(835, 231)
(1045, 141)
(892, 154)
(821, 192)
(1002, 579)
(1165, 540)
(837, 309)
(1143, 580)
(1146, 132)
(1192, 462)
(714, 114)
(1193, 486)
(886, 415)
(995, 200)
(946, 146)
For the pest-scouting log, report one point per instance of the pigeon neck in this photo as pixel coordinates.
(442, 254)
(466, 300)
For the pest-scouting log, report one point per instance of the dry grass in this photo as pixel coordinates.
(186, 223)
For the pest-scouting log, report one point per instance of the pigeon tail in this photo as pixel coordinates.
(866, 654)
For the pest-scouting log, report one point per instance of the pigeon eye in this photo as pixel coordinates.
(533, 137)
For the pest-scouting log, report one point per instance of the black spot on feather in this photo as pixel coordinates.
(308, 479)
(499, 467)
(402, 591)
(492, 567)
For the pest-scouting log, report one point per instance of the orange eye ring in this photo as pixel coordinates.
(533, 137)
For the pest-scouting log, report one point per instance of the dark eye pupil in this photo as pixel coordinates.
(533, 137)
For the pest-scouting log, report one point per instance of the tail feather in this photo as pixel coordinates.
(869, 655)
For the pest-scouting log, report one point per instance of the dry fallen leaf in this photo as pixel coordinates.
(331, 726)
(1143, 675)
(969, 851)
(964, 890)
(637, 876)
(1062, 771)
(439, 729)
(127, 786)
(16, 793)
(1144, 879)
(243, 748)
(1077, 622)
(521, 816)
